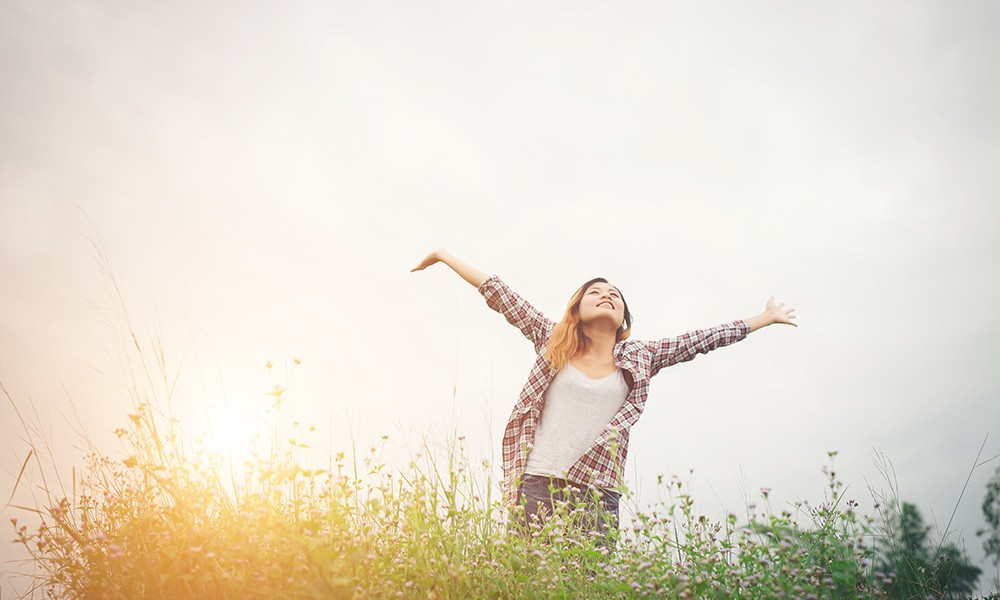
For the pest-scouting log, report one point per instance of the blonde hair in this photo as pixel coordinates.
(568, 340)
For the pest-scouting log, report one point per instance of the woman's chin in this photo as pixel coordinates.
(602, 322)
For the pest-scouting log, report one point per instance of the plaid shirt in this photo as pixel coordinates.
(603, 465)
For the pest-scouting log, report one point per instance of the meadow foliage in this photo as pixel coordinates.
(167, 522)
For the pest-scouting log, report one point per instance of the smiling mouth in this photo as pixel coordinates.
(608, 304)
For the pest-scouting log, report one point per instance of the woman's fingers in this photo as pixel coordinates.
(428, 261)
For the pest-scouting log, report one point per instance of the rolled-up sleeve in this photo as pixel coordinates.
(669, 351)
(518, 312)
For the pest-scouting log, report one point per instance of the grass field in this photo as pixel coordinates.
(165, 523)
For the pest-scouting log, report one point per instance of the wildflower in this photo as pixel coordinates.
(765, 491)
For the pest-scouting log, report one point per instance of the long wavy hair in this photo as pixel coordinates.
(568, 340)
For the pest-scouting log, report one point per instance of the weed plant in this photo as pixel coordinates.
(163, 523)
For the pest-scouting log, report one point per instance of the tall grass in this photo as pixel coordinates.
(167, 521)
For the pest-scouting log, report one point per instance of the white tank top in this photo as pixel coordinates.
(576, 411)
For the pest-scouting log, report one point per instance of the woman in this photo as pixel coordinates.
(569, 430)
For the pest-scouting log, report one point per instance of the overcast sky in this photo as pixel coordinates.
(264, 176)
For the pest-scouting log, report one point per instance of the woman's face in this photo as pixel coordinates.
(602, 301)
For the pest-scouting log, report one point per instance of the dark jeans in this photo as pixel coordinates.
(540, 495)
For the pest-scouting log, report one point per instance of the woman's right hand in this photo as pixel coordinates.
(431, 258)
(469, 273)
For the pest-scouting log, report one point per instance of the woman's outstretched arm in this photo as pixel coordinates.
(469, 273)
(518, 311)
(670, 351)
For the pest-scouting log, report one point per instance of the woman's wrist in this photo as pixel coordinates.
(757, 321)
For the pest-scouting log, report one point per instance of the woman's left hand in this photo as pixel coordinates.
(777, 313)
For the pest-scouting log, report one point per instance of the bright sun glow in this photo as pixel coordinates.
(230, 434)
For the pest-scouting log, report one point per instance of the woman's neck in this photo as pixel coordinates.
(602, 341)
